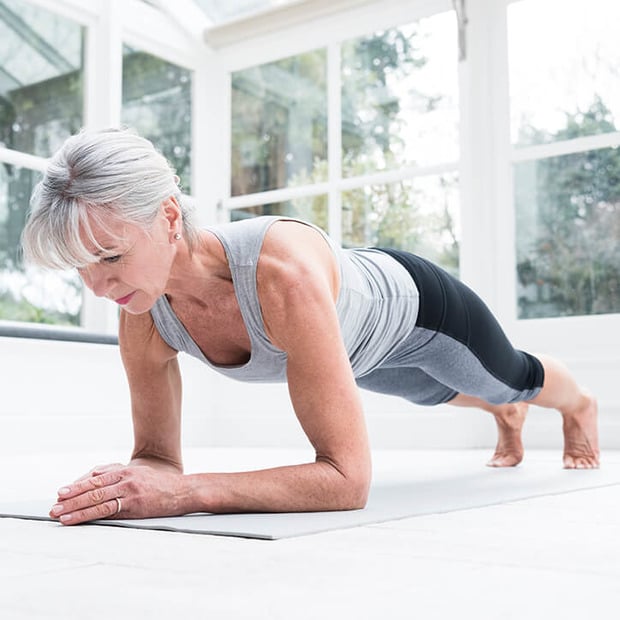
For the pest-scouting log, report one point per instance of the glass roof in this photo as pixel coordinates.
(37, 45)
(220, 11)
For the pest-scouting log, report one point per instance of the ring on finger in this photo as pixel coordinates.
(119, 506)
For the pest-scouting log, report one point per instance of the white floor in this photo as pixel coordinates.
(555, 557)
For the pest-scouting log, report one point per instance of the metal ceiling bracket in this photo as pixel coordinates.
(461, 19)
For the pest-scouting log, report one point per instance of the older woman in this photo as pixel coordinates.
(270, 299)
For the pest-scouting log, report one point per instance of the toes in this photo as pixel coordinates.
(569, 462)
(503, 461)
(583, 462)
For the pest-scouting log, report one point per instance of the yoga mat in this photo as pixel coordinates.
(397, 495)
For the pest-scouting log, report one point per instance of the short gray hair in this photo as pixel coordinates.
(101, 175)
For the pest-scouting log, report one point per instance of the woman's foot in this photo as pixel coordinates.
(510, 419)
(581, 449)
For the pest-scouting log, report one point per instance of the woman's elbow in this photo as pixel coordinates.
(349, 486)
(355, 497)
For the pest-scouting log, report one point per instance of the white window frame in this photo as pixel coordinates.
(487, 245)
(109, 24)
(581, 341)
(298, 38)
(487, 248)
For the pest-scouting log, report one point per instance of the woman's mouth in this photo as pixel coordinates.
(121, 301)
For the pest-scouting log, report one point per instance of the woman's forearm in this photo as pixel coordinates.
(297, 488)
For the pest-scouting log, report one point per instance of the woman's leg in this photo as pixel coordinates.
(559, 391)
(579, 414)
(467, 351)
(509, 419)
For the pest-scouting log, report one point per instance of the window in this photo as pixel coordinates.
(396, 182)
(219, 11)
(565, 110)
(309, 208)
(400, 112)
(419, 214)
(41, 102)
(399, 97)
(279, 124)
(157, 104)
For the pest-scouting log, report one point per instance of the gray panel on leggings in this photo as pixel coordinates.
(431, 368)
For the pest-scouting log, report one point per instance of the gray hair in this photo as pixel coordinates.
(98, 176)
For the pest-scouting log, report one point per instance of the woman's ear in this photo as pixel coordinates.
(171, 210)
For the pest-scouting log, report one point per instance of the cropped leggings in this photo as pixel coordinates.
(456, 347)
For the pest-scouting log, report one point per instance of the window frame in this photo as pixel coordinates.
(579, 340)
(487, 260)
(107, 26)
(329, 34)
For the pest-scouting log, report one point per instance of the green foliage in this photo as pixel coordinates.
(22, 310)
(157, 104)
(279, 123)
(279, 139)
(569, 225)
(369, 109)
(410, 215)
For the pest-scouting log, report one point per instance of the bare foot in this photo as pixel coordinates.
(581, 450)
(510, 419)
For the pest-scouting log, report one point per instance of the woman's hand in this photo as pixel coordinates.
(121, 491)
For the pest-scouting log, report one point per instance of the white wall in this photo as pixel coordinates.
(72, 396)
(66, 396)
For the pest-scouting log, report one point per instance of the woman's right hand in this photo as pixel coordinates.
(146, 487)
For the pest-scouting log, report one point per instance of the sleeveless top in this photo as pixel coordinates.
(377, 305)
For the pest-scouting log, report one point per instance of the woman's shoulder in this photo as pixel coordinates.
(297, 252)
(246, 240)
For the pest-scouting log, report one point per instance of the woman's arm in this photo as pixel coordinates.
(153, 477)
(155, 386)
(298, 285)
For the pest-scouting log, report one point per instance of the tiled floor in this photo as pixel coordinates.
(555, 557)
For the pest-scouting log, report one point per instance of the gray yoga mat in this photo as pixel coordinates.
(394, 496)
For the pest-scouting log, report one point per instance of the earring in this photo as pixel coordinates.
(177, 236)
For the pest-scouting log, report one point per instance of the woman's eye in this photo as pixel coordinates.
(112, 259)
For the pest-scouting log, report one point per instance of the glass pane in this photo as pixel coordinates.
(420, 216)
(157, 104)
(564, 78)
(31, 295)
(568, 234)
(41, 78)
(219, 11)
(311, 209)
(279, 124)
(400, 97)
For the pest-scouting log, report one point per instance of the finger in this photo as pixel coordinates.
(100, 469)
(98, 481)
(90, 499)
(105, 510)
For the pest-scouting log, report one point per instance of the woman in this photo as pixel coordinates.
(269, 299)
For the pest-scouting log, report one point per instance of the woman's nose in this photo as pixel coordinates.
(96, 279)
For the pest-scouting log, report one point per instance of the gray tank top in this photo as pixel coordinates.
(377, 305)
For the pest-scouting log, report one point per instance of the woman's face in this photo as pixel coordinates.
(135, 270)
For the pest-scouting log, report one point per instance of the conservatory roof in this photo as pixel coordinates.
(221, 22)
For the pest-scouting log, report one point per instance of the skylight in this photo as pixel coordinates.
(221, 11)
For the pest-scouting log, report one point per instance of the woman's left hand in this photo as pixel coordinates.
(129, 492)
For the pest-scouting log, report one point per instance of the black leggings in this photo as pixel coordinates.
(457, 346)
